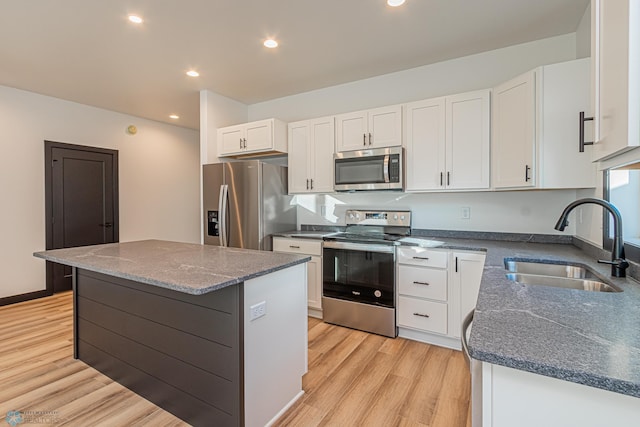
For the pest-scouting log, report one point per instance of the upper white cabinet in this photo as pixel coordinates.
(249, 139)
(377, 128)
(535, 129)
(447, 141)
(616, 74)
(311, 148)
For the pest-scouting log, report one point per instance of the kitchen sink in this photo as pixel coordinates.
(546, 269)
(562, 282)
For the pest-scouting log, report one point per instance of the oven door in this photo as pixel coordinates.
(363, 273)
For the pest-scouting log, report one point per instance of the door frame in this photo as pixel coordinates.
(48, 194)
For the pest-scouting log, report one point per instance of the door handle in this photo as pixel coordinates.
(581, 142)
(386, 168)
(222, 209)
(106, 225)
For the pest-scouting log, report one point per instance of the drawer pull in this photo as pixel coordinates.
(420, 283)
(421, 315)
(294, 247)
(421, 257)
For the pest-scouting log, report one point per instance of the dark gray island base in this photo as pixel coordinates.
(188, 352)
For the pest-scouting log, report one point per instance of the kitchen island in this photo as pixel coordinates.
(216, 336)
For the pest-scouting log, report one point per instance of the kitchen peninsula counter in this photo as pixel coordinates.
(202, 331)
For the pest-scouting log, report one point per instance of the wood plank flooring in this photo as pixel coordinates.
(354, 378)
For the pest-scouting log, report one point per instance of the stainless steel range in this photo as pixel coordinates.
(358, 288)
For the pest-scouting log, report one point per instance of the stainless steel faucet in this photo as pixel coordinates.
(618, 262)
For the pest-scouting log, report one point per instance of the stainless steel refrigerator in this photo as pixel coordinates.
(245, 203)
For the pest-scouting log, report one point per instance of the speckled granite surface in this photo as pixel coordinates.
(590, 338)
(183, 267)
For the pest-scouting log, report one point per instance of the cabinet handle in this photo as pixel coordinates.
(582, 120)
(420, 257)
(294, 247)
(364, 139)
(240, 142)
(526, 173)
(312, 183)
(420, 283)
(307, 183)
(369, 138)
(448, 179)
(456, 264)
(245, 142)
(441, 179)
(421, 315)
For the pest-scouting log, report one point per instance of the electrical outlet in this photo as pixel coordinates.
(258, 310)
(466, 212)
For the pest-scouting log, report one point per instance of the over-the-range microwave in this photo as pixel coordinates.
(375, 169)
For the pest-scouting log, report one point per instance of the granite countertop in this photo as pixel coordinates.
(184, 267)
(590, 338)
(303, 234)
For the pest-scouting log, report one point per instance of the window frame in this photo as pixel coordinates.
(631, 251)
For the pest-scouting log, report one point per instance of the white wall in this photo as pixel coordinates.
(583, 35)
(217, 111)
(158, 177)
(479, 71)
(512, 211)
(524, 212)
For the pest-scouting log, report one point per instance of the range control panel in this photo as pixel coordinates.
(393, 218)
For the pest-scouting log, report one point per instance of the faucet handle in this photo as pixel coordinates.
(620, 263)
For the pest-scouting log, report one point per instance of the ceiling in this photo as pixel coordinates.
(88, 52)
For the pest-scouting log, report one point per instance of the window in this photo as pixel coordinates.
(622, 189)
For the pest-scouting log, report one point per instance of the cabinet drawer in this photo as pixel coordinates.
(423, 257)
(297, 246)
(422, 282)
(413, 312)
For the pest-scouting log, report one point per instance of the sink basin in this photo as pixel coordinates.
(562, 282)
(546, 269)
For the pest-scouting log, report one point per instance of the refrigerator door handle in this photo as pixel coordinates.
(222, 209)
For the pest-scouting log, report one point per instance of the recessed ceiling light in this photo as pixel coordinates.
(270, 43)
(193, 73)
(395, 3)
(174, 116)
(135, 19)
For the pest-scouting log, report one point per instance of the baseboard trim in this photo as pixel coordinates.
(24, 297)
(280, 413)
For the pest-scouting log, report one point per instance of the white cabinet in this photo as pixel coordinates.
(435, 290)
(511, 397)
(616, 66)
(311, 148)
(377, 128)
(314, 267)
(535, 129)
(267, 137)
(447, 141)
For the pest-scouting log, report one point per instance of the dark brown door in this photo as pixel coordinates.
(82, 202)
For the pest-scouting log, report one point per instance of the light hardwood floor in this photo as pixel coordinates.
(354, 378)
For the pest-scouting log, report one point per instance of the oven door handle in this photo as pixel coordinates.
(386, 168)
(360, 247)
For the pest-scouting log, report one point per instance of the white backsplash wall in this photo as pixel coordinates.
(508, 211)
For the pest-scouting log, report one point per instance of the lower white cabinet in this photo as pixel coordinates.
(436, 289)
(314, 267)
(511, 397)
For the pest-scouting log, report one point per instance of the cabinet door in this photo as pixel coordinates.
(513, 124)
(351, 131)
(466, 276)
(467, 136)
(230, 139)
(321, 156)
(299, 147)
(616, 49)
(425, 140)
(385, 127)
(259, 135)
(563, 91)
(314, 282)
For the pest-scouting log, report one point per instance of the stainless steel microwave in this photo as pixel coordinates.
(375, 169)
